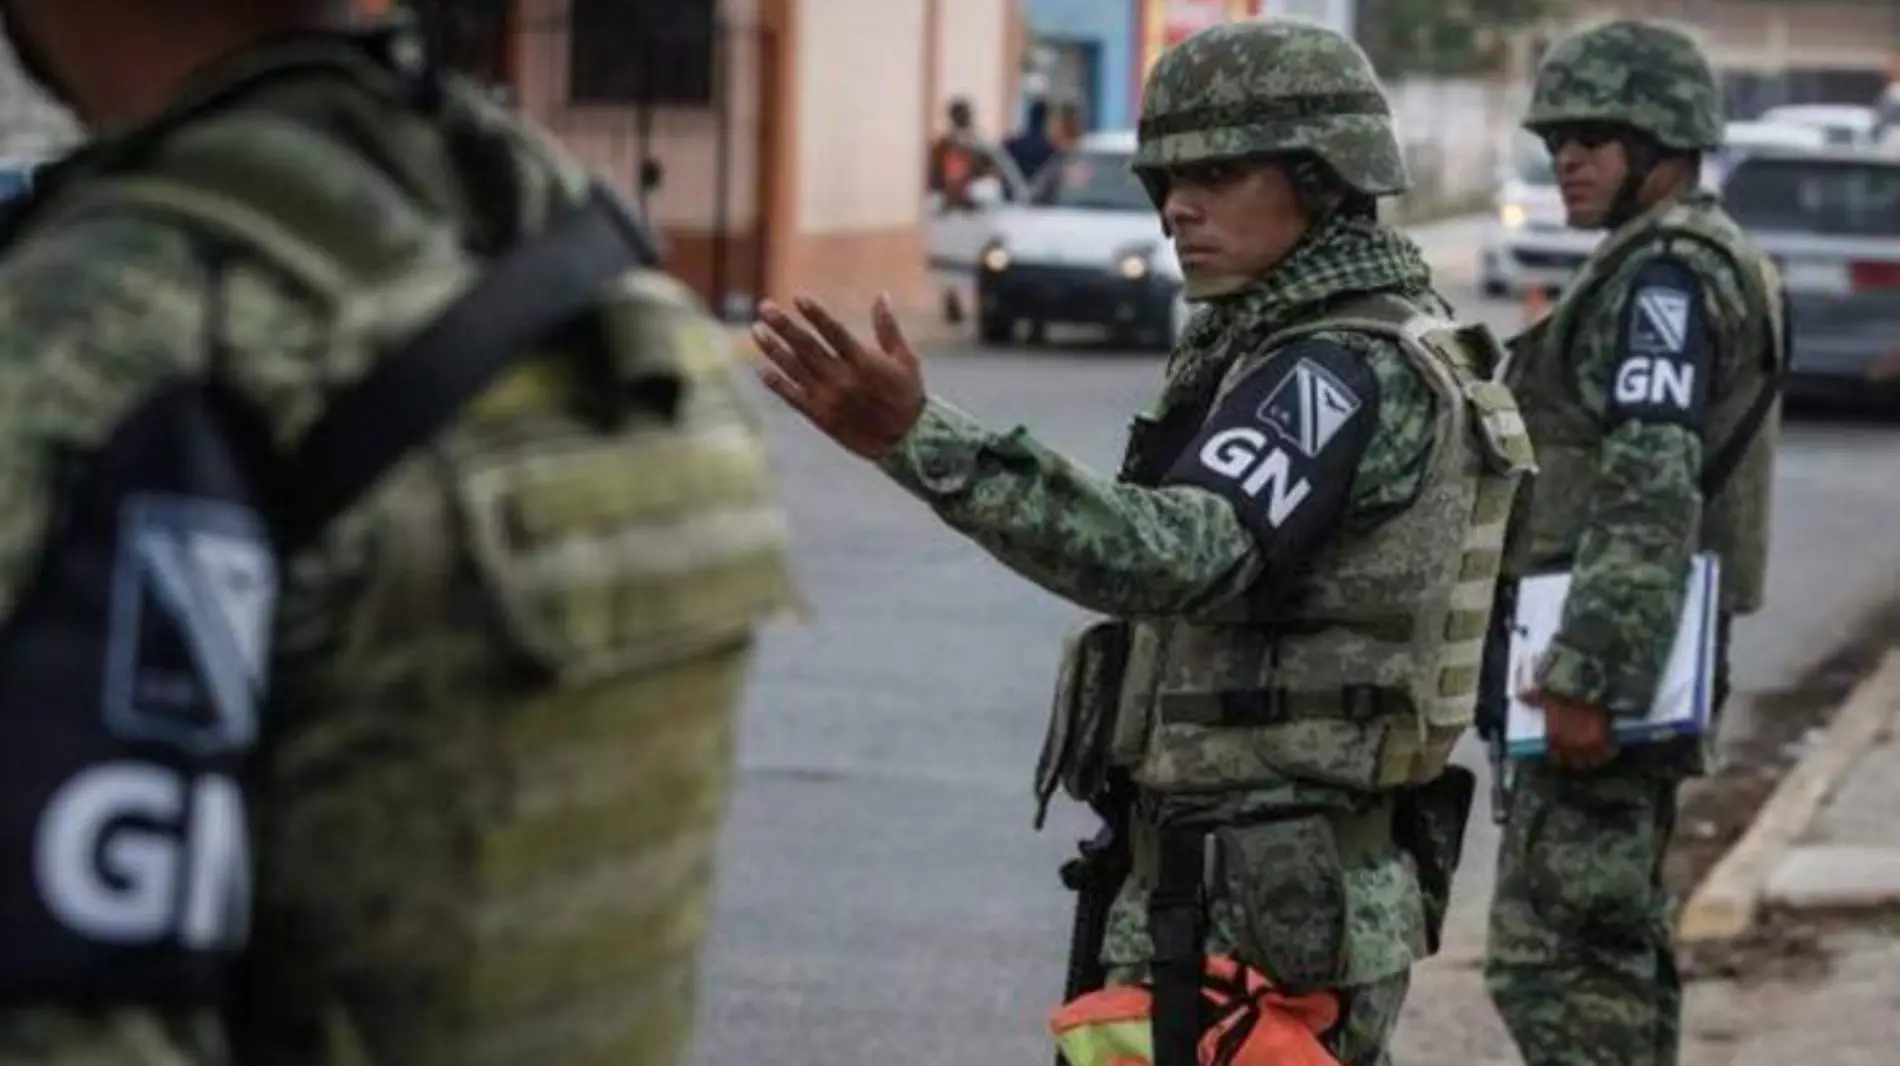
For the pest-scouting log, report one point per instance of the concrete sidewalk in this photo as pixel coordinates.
(1816, 980)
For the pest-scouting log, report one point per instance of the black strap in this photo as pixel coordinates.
(1722, 465)
(1176, 924)
(525, 294)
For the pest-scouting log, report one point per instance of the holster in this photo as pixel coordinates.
(1429, 822)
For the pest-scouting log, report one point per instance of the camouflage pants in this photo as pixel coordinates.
(1580, 962)
(54, 1036)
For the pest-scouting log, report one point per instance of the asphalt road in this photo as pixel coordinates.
(883, 899)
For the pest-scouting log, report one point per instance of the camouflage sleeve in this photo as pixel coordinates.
(1645, 357)
(89, 321)
(1131, 550)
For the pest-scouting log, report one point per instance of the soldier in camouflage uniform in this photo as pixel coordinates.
(1651, 395)
(498, 734)
(1299, 554)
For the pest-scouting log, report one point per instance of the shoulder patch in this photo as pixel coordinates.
(1664, 353)
(1284, 443)
(1660, 325)
(1309, 407)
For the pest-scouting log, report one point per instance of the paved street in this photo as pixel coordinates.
(883, 898)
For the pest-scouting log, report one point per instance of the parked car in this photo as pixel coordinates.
(1740, 138)
(1087, 248)
(956, 234)
(1528, 244)
(1831, 219)
(1844, 125)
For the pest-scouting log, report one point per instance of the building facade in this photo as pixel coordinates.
(1082, 55)
(1783, 51)
(776, 146)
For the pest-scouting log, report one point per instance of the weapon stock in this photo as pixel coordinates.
(1095, 875)
(1494, 696)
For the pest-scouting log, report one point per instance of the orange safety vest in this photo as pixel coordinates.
(1250, 1023)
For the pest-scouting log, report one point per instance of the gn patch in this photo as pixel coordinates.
(1283, 444)
(1664, 355)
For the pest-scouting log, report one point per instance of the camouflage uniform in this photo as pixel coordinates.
(504, 682)
(1580, 960)
(1312, 887)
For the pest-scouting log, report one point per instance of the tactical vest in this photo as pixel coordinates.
(1362, 669)
(1569, 436)
(490, 804)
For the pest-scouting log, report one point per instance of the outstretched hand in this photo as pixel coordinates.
(862, 396)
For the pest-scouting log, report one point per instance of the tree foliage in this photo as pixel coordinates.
(1445, 37)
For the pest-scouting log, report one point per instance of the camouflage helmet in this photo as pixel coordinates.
(1271, 87)
(1646, 75)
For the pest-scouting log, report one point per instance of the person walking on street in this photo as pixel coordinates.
(384, 543)
(1651, 391)
(957, 159)
(1032, 149)
(1297, 560)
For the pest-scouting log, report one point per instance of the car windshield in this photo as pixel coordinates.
(1833, 198)
(1533, 164)
(1096, 181)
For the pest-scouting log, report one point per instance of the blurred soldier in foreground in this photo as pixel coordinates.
(1650, 392)
(367, 485)
(1298, 557)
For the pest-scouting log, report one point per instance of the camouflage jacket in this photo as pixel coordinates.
(1136, 551)
(1622, 501)
(460, 733)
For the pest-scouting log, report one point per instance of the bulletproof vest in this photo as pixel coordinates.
(488, 767)
(1361, 668)
(1568, 436)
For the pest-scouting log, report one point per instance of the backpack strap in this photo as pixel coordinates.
(544, 283)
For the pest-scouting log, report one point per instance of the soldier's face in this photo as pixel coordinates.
(26, 25)
(1590, 163)
(1232, 222)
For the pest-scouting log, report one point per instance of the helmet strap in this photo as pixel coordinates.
(1641, 154)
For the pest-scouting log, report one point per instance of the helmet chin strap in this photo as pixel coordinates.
(1643, 155)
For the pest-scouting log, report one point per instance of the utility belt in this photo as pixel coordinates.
(133, 668)
(1090, 737)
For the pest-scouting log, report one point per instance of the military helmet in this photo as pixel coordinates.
(1271, 87)
(1646, 75)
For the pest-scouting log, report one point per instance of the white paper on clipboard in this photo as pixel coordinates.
(1683, 699)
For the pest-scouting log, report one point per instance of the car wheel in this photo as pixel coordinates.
(996, 329)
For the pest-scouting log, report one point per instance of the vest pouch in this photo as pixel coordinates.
(1503, 439)
(132, 673)
(1282, 886)
(1076, 751)
(655, 540)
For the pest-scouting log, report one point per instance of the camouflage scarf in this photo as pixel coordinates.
(1340, 258)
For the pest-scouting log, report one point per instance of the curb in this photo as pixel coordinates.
(1724, 906)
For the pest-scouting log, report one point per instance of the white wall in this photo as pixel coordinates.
(971, 62)
(861, 75)
(1454, 132)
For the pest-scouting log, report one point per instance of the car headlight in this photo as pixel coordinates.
(1134, 263)
(995, 258)
(1512, 215)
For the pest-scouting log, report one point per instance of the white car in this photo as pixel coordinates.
(956, 235)
(1529, 245)
(1741, 138)
(1844, 125)
(1084, 247)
